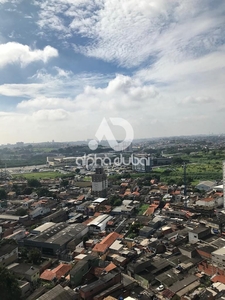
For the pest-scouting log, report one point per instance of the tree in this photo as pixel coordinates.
(77, 170)
(34, 256)
(177, 160)
(64, 183)
(33, 183)
(9, 287)
(3, 194)
(21, 212)
(117, 202)
(27, 191)
(43, 192)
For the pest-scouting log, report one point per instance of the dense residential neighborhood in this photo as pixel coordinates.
(112, 232)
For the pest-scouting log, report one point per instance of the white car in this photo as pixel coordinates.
(160, 288)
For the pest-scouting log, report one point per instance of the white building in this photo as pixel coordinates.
(42, 228)
(206, 185)
(218, 257)
(99, 223)
(210, 202)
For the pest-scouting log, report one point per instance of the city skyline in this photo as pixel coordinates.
(65, 65)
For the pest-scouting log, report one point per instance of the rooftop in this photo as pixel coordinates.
(220, 251)
(57, 293)
(7, 248)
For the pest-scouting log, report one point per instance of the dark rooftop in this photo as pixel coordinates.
(7, 248)
(207, 249)
(60, 234)
(57, 293)
(199, 229)
(176, 287)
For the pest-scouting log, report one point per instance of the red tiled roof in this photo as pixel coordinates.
(110, 267)
(219, 278)
(110, 238)
(100, 248)
(58, 272)
(62, 270)
(47, 275)
(81, 198)
(97, 214)
(88, 221)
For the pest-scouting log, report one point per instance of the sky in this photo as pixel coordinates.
(65, 65)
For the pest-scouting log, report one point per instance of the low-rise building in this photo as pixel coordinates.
(8, 254)
(218, 257)
(24, 271)
(198, 233)
(55, 239)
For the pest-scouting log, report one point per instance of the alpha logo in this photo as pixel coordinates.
(105, 131)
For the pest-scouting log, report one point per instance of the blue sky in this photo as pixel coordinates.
(67, 64)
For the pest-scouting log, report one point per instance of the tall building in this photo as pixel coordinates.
(224, 184)
(99, 183)
(141, 163)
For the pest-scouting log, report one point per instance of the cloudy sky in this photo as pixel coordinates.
(67, 64)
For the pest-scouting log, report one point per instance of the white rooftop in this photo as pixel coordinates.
(99, 200)
(220, 251)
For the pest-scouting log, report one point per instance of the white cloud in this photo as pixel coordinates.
(17, 53)
(130, 32)
(46, 103)
(63, 84)
(123, 92)
(50, 115)
(197, 100)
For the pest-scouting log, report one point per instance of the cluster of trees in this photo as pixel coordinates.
(32, 256)
(33, 185)
(134, 230)
(9, 287)
(115, 201)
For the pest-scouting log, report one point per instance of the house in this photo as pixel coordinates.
(24, 271)
(8, 254)
(218, 257)
(146, 231)
(102, 247)
(180, 288)
(210, 202)
(138, 266)
(198, 233)
(81, 268)
(25, 288)
(57, 273)
(58, 293)
(39, 211)
(206, 185)
(89, 291)
(188, 250)
(206, 251)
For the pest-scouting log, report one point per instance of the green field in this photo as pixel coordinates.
(39, 175)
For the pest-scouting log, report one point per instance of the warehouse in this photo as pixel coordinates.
(55, 239)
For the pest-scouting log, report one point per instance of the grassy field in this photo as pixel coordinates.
(39, 175)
